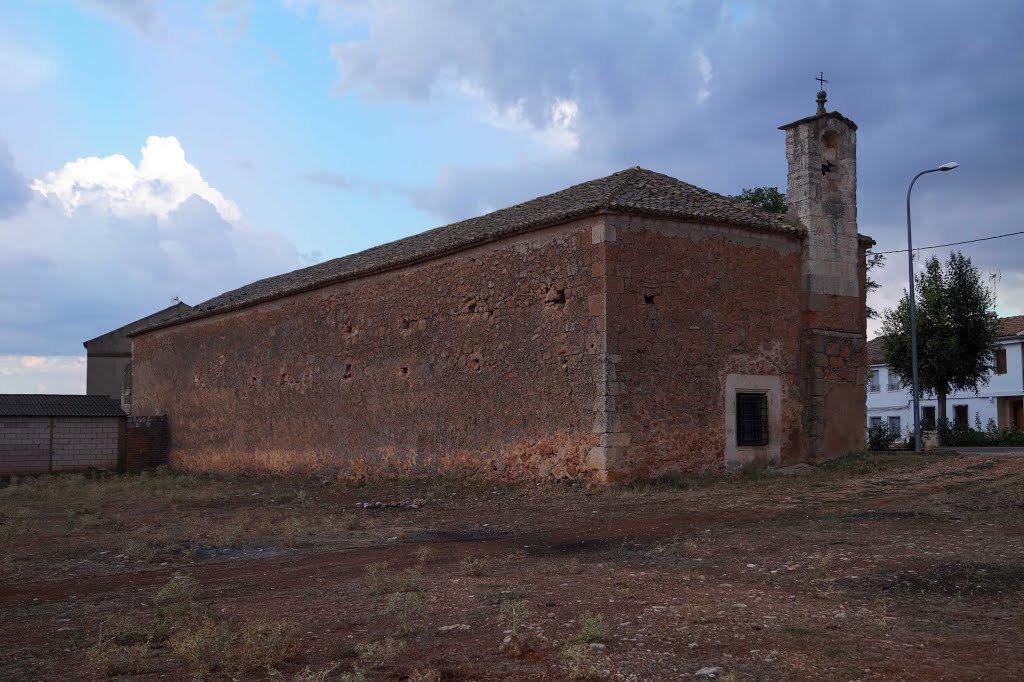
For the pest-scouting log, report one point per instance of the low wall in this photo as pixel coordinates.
(53, 444)
(147, 441)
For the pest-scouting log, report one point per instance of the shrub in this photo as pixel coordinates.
(881, 438)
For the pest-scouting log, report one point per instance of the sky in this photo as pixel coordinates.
(156, 150)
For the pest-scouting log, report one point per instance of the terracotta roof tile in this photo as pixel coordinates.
(635, 191)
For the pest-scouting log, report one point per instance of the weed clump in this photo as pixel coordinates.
(593, 628)
(582, 663)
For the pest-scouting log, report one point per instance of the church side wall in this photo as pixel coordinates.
(483, 362)
(696, 312)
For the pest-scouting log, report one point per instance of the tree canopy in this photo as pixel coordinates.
(767, 198)
(955, 331)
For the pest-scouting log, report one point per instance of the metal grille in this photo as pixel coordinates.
(751, 419)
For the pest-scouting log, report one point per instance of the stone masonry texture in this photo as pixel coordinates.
(688, 305)
(607, 345)
(483, 363)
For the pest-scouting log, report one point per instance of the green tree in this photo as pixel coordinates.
(767, 198)
(874, 260)
(771, 199)
(955, 333)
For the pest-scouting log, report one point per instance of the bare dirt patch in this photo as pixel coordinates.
(879, 567)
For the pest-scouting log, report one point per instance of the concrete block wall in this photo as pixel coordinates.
(44, 444)
(24, 445)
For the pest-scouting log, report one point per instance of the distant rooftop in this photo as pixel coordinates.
(632, 191)
(1008, 327)
(43, 405)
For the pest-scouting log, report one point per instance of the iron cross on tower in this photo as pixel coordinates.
(821, 80)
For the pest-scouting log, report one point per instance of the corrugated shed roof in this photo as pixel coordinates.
(633, 191)
(43, 405)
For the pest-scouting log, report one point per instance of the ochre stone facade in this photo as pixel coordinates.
(483, 362)
(605, 332)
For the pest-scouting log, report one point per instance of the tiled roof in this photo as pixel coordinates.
(633, 191)
(42, 405)
(1011, 326)
(875, 356)
(1008, 326)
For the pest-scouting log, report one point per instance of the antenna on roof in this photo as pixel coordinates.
(994, 278)
(176, 299)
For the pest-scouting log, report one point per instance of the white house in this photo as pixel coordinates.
(1001, 400)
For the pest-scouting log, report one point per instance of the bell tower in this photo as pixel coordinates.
(821, 191)
(821, 194)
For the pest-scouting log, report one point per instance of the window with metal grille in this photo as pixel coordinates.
(874, 386)
(894, 382)
(894, 425)
(751, 419)
(1001, 361)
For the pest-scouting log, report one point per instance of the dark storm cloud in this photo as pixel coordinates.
(927, 82)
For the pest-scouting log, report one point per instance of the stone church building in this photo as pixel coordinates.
(629, 326)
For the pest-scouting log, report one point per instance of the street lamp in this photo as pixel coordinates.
(913, 314)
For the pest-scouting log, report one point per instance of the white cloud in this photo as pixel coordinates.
(556, 132)
(101, 243)
(42, 374)
(161, 183)
(704, 68)
(21, 68)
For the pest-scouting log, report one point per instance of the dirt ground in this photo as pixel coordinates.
(886, 567)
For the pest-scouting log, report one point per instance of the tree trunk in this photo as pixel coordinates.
(940, 394)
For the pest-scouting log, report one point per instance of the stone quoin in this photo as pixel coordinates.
(629, 326)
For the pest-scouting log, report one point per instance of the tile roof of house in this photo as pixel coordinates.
(42, 405)
(1008, 326)
(633, 191)
(874, 347)
(1011, 326)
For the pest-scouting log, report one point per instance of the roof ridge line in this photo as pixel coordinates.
(619, 188)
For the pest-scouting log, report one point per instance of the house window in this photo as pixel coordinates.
(873, 382)
(928, 418)
(894, 425)
(960, 416)
(875, 422)
(751, 419)
(894, 382)
(1001, 361)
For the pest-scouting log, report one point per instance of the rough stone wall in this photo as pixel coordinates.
(147, 442)
(834, 388)
(825, 202)
(482, 362)
(689, 305)
(41, 444)
(834, 351)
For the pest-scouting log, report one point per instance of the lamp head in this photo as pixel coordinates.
(948, 166)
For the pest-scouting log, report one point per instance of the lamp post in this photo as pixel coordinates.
(913, 313)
